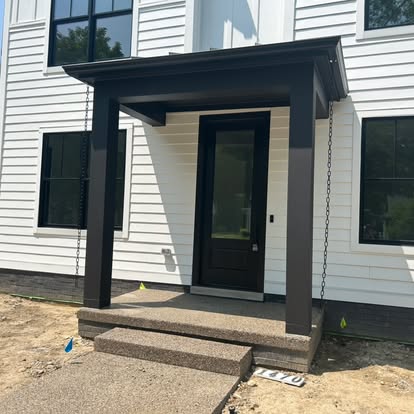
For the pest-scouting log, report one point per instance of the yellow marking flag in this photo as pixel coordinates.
(343, 323)
(142, 286)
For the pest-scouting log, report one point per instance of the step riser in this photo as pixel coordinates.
(276, 358)
(182, 359)
(176, 350)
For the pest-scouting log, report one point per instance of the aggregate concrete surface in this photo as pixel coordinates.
(214, 318)
(104, 383)
(176, 350)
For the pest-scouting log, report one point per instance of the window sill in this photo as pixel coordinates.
(382, 249)
(385, 32)
(72, 233)
(53, 70)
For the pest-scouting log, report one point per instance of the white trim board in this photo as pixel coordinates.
(3, 73)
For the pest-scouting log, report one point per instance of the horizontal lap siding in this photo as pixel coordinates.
(162, 184)
(161, 29)
(163, 160)
(380, 75)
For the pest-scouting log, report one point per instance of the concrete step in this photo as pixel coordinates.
(176, 350)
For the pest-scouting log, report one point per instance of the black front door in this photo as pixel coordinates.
(231, 201)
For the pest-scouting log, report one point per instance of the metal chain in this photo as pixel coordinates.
(328, 204)
(83, 160)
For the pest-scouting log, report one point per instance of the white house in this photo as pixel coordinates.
(212, 213)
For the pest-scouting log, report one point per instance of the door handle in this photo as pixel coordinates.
(255, 247)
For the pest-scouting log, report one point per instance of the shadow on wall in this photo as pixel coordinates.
(223, 20)
(172, 151)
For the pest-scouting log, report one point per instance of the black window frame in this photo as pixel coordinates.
(92, 18)
(366, 20)
(42, 189)
(363, 180)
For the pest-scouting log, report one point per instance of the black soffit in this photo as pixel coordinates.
(325, 53)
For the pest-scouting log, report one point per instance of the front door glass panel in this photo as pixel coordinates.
(233, 183)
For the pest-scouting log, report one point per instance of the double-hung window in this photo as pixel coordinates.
(61, 191)
(387, 181)
(89, 30)
(380, 14)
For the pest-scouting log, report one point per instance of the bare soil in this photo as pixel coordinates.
(348, 376)
(33, 336)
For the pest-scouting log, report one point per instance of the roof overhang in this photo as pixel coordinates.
(256, 76)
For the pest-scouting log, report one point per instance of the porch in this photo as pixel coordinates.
(260, 325)
(303, 75)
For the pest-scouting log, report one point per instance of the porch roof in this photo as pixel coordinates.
(259, 76)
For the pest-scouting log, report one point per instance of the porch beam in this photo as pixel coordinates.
(151, 113)
(101, 207)
(300, 203)
(266, 83)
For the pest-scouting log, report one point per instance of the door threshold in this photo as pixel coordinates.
(227, 293)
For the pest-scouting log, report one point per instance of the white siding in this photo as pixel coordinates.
(28, 10)
(159, 215)
(162, 181)
(234, 23)
(161, 28)
(381, 81)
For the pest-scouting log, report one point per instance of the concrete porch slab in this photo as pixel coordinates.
(107, 384)
(260, 325)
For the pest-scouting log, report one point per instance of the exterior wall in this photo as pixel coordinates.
(161, 27)
(381, 81)
(159, 210)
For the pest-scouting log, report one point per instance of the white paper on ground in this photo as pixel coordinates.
(279, 376)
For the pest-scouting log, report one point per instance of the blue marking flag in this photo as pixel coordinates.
(69, 346)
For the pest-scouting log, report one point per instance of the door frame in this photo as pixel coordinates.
(204, 122)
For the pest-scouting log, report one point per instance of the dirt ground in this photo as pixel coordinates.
(33, 336)
(348, 376)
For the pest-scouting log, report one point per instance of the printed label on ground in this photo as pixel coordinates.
(280, 377)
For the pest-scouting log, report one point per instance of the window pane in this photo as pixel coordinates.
(61, 203)
(388, 213)
(113, 37)
(102, 6)
(119, 203)
(62, 9)
(79, 8)
(52, 162)
(388, 13)
(379, 148)
(71, 43)
(233, 184)
(122, 4)
(120, 162)
(71, 163)
(405, 148)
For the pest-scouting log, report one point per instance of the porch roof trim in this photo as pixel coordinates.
(326, 53)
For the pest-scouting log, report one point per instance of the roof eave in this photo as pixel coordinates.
(224, 59)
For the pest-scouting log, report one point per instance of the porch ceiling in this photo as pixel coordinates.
(260, 76)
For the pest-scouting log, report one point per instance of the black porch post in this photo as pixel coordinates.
(300, 203)
(101, 204)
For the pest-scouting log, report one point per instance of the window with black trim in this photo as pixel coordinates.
(380, 14)
(387, 181)
(60, 188)
(89, 30)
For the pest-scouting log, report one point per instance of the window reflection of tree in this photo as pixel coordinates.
(73, 46)
(388, 13)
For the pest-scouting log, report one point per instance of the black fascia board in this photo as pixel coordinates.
(326, 53)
